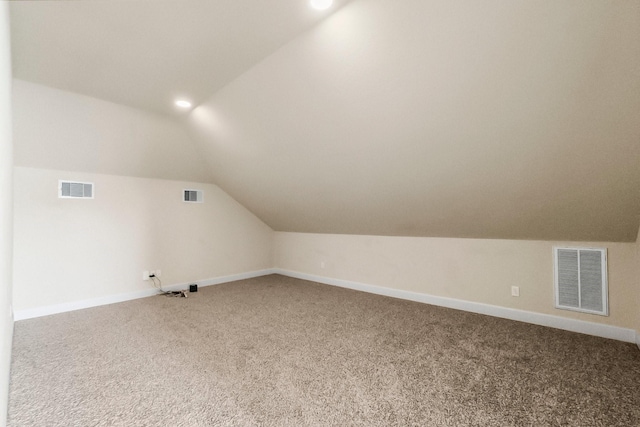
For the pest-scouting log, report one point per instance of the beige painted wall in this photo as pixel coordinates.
(637, 307)
(55, 129)
(6, 217)
(475, 270)
(484, 119)
(70, 250)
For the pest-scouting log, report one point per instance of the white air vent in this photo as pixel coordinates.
(193, 196)
(75, 190)
(581, 280)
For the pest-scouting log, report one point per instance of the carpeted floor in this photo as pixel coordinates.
(276, 351)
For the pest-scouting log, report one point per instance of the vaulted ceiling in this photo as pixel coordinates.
(144, 53)
(494, 119)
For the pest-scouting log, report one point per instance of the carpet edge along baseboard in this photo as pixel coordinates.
(573, 325)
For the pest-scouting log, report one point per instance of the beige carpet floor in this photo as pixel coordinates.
(276, 351)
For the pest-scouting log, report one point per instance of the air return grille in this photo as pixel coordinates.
(193, 196)
(581, 280)
(75, 190)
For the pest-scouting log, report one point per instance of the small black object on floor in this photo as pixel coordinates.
(193, 288)
(177, 294)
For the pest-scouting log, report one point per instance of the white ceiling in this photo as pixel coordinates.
(145, 53)
(512, 119)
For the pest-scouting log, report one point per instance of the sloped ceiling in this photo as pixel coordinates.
(60, 130)
(494, 119)
(144, 53)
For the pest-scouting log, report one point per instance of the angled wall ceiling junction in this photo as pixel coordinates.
(496, 119)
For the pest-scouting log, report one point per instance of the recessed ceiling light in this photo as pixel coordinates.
(183, 104)
(321, 4)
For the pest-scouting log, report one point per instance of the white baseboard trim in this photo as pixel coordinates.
(112, 299)
(221, 279)
(589, 328)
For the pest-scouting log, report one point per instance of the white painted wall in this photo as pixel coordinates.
(475, 270)
(70, 250)
(6, 211)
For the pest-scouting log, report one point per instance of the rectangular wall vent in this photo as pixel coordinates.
(193, 196)
(75, 190)
(581, 280)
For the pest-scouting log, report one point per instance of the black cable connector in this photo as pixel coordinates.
(152, 275)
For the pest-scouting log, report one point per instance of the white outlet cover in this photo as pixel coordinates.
(158, 273)
(145, 275)
(515, 291)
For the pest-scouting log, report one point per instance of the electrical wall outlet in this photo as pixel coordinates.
(515, 291)
(146, 275)
(322, 264)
